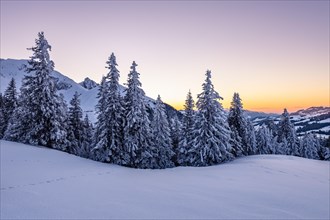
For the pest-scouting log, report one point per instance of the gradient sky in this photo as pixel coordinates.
(274, 53)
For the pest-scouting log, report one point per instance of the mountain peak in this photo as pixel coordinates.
(88, 83)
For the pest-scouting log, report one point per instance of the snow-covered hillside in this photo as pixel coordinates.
(11, 68)
(41, 183)
(313, 119)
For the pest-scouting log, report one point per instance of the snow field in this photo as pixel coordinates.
(42, 183)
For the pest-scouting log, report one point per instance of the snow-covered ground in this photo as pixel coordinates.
(40, 183)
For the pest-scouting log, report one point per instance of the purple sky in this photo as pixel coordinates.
(275, 54)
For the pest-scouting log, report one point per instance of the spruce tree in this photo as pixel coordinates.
(138, 144)
(310, 146)
(111, 128)
(281, 147)
(162, 136)
(2, 118)
(186, 136)
(211, 144)
(97, 154)
(238, 126)
(287, 131)
(175, 131)
(265, 141)
(18, 124)
(9, 104)
(41, 115)
(75, 130)
(87, 138)
(250, 138)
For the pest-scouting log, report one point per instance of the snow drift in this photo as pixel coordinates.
(44, 183)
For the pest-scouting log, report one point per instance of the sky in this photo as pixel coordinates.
(275, 54)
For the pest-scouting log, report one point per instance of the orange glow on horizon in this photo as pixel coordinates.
(270, 106)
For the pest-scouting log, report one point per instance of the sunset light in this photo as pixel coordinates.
(274, 53)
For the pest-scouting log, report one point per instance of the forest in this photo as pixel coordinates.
(128, 134)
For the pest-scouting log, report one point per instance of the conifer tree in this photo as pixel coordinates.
(40, 115)
(138, 144)
(87, 138)
(18, 124)
(211, 144)
(310, 146)
(281, 147)
(265, 141)
(175, 131)
(75, 130)
(2, 118)
(251, 138)
(186, 136)
(162, 136)
(287, 131)
(111, 128)
(238, 126)
(9, 104)
(100, 111)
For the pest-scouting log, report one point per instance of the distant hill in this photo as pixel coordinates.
(311, 120)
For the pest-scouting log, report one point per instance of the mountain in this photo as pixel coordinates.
(312, 112)
(42, 183)
(11, 68)
(311, 120)
(88, 83)
(253, 114)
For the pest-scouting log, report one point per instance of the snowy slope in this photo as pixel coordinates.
(313, 119)
(11, 68)
(41, 183)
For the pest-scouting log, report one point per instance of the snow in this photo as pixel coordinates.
(327, 120)
(41, 183)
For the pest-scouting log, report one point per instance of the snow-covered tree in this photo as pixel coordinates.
(87, 138)
(138, 143)
(175, 131)
(211, 143)
(186, 136)
(238, 126)
(2, 118)
(41, 107)
(110, 139)
(310, 146)
(9, 104)
(287, 131)
(100, 111)
(250, 138)
(18, 124)
(162, 136)
(265, 141)
(75, 123)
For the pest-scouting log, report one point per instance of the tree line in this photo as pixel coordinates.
(127, 134)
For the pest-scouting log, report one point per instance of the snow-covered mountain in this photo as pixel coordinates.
(11, 68)
(88, 83)
(253, 114)
(313, 119)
